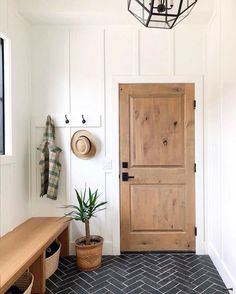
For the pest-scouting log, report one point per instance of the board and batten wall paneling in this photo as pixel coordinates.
(95, 56)
(221, 143)
(89, 173)
(121, 58)
(87, 70)
(121, 51)
(228, 112)
(213, 168)
(190, 50)
(87, 96)
(43, 206)
(50, 95)
(156, 52)
(50, 69)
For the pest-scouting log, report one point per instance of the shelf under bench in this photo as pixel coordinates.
(25, 246)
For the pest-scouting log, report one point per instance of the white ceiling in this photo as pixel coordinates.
(96, 12)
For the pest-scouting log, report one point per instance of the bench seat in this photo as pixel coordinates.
(25, 246)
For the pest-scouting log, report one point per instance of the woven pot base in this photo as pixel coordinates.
(89, 257)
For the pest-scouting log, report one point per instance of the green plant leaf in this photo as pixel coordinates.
(88, 205)
(99, 205)
(85, 190)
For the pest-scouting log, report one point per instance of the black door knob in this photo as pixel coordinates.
(126, 177)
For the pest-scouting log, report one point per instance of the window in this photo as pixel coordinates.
(2, 127)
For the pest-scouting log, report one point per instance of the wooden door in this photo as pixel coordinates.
(157, 149)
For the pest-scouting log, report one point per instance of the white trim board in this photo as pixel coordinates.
(224, 272)
(199, 155)
(93, 120)
(8, 157)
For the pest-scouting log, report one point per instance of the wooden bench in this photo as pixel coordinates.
(24, 248)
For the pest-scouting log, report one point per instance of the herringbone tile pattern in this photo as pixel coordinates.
(139, 273)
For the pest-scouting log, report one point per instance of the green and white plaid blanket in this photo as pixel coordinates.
(50, 166)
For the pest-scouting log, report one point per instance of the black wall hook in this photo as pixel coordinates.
(83, 120)
(67, 120)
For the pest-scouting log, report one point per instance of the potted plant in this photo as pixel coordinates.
(88, 248)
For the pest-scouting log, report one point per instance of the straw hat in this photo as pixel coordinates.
(83, 144)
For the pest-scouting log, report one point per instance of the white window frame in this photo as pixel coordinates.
(8, 156)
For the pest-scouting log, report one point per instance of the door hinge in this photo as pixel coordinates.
(194, 104)
(195, 167)
(195, 231)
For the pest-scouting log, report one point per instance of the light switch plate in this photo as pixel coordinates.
(107, 164)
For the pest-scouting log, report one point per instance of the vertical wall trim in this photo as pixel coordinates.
(29, 126)
(33, 167)
(206, 113)
(68, 183)
(219, 5)
(105, 94)
(69, 47)
(173, 61)
(69, 179)
(139, 54)
(217, 239)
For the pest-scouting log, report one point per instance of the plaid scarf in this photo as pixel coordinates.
(50, 166)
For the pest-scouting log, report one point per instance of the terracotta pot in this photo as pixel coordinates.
(89, 257)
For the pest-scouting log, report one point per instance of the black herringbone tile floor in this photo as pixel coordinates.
(139, 273)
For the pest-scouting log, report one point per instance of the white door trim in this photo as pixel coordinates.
(199, 147)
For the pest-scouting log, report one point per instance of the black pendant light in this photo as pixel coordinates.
(164, 14)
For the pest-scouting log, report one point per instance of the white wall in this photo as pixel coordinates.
(14, 170)
(221, 142)
(72, 73)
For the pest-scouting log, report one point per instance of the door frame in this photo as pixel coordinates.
(199, 152)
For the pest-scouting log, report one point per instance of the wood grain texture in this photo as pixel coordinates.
(64, 240)
(163, 209)
(161, 141)
(38, 270)
(157, 140)
(25, 245)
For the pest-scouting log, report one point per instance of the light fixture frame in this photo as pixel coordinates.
(163, 24)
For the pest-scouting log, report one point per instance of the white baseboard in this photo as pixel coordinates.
(108, 248)
(223, 270)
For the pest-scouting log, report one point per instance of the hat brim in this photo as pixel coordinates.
(90, 137)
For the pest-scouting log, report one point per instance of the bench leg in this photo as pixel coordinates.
(38, 270)
(64, 239)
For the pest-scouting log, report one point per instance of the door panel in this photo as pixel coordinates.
(157, 142)
(161, 122)
(157, 207)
